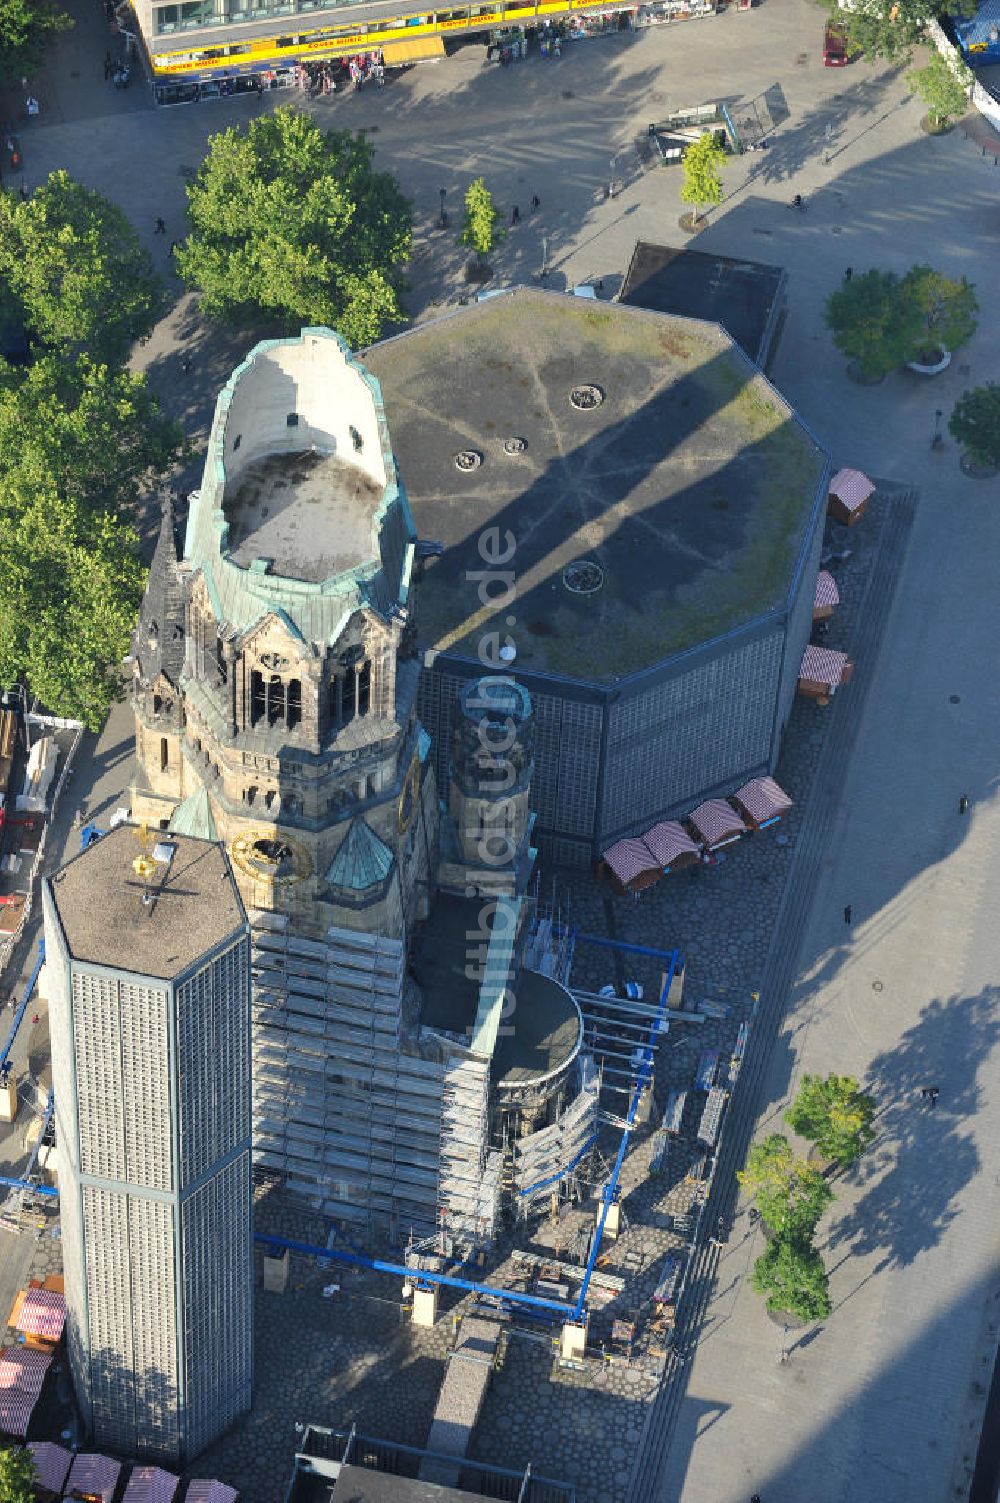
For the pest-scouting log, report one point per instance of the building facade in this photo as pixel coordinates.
(148, 980)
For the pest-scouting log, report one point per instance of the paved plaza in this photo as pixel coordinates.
(884, 1402)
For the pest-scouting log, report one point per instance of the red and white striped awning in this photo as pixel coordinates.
(671, 844)
(52, 1464)
(201, 1490)
(629, 859)
(20, 1367)
(822, 665)
(43, 1313)
(761, 802)
(717, 823)
(16, 1408)
(827, 593)
(93, 1476)
(150, 1484)
(851, 488)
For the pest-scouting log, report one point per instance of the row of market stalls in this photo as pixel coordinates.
(92, 1478)
(637, 862)
(823, 669)
(36, 1320)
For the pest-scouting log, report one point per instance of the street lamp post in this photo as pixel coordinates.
(5, 699)
(937, 442)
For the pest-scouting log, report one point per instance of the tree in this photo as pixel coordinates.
(481, 228)
(943, 87)
(26, 29)
(75, 266)
(17, 1473)
(97, 434)
(292, 223)
(947, 309)
(975, 422)
(790, 1274)
(75, 443)
(890, 28)
(835, 1114)
(790, 1193)
(871, 325)
(703, 162)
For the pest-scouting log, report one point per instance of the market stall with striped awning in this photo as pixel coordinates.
(93, 1477)
(52, 1464)
(826, 597)
(822, 672)
(632, 864)
(671, 846)
(761, 802)
(715, 823)
(150, 1484)
(204, 1490)
(850, 491)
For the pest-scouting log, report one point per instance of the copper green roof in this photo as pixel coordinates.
(194, 817)
(362, 861)
(315, 609)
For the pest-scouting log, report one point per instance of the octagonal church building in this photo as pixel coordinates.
(590, 528)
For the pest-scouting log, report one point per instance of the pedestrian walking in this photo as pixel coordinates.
(36, 1018)
(932, 1094)
(23, 190)
(109, 66)
(515, 216)
(536, 202)
(161, 228)
(963, 803)
(186, 363)
(848, 913)
(173, 248)
(848, 274)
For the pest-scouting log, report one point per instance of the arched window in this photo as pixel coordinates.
(164, 753)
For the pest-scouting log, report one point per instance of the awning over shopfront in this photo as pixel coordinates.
(671, 845)
(633, 864)
(823, 670)
(761, 802)
(420, 50)
(715, 823)
(827, 595)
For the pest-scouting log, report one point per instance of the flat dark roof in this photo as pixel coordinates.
(689, 486)
(440, 956)
(358, 1485)
(98, 897)
(740, 295)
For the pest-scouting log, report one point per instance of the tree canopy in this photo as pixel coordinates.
(946, 308)
(869, 323)
(943, 88)
(17, 1473)
(27, 27)
(76, 440)
(890, 28)
(835, 1114)
(790, 1274)
(702, 165)
(76, 270)
(291, 223)
(790, 1193)
(481, 229)
(881, 320)
(975, 422)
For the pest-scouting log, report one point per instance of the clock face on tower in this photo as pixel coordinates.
(269, 856)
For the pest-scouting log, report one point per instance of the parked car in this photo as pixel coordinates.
(834, 47)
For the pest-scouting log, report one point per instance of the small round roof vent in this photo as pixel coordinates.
(583, 577)
(515, 445)
(468, 459)
(586, 397)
